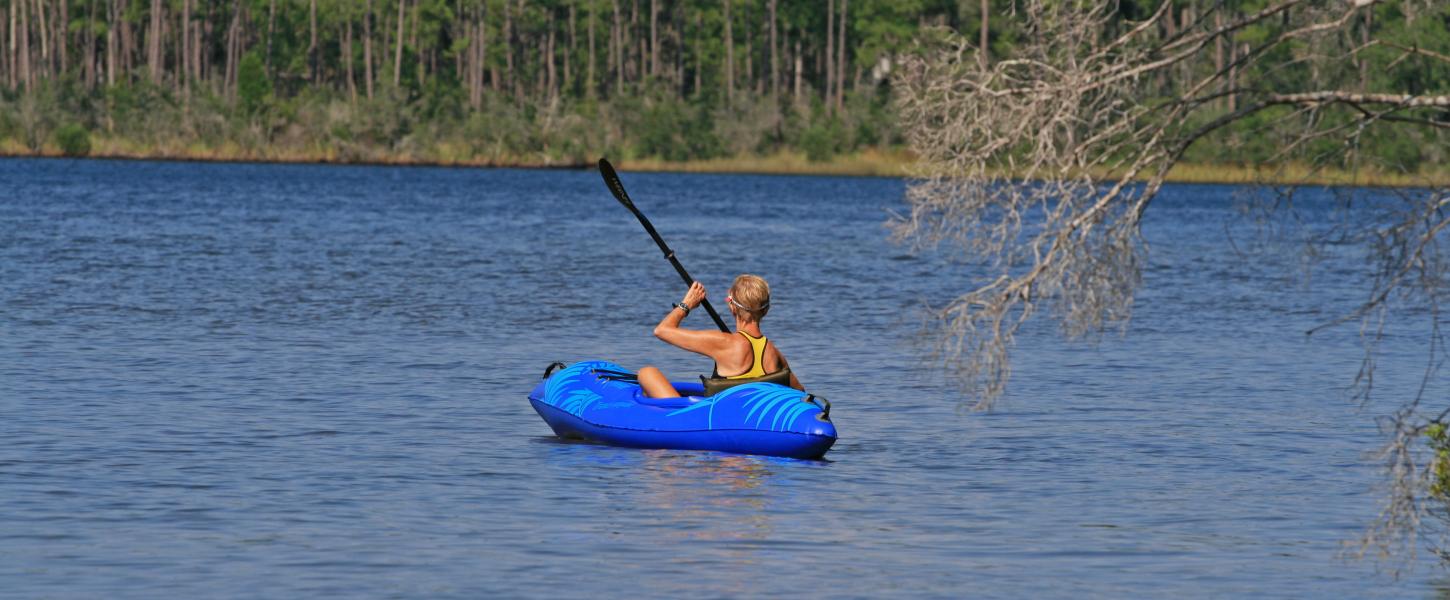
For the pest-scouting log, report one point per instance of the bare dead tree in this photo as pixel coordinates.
(1040, 167)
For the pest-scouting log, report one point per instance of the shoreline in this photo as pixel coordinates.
(867, 163)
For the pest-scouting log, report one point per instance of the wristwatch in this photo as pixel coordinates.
(681, 306)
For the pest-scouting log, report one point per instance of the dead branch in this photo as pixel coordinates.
(1041, 166)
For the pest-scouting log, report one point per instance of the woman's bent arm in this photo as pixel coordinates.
(709, 343)
(705, 342)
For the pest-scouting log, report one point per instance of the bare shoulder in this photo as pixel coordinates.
(716, 339)
(774, 360)
(701, 341)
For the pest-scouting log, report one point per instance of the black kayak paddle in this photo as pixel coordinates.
(611, 179)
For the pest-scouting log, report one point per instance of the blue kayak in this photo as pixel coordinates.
(599, 401)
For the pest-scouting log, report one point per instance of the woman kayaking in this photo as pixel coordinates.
(745, 354)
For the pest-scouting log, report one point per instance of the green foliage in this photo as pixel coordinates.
(37, 113)
(254, 88)
(881, 28)
(9, 125)
(73, 140)
(292, 98)
(823, 140)
(1439, 442)
(676, 130)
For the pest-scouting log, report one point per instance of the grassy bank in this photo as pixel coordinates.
(644, 129)
(1301, 175)
(867, 162)
(898, 163)
(232, 152)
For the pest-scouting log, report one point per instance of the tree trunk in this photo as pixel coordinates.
(111, 45)
(1359, 56)
(128, 43)
(482, 63)
(230, 77)
(44, 67)
(177, 37)
(469, 58)
(982, 56)
(799, 65)
(63, 27)
(774, 57)
(1218, 47)
(729, 59)
(347, 59)
(12, 48)
(7, 62)
(483, 50)
(677, 34)
(461, 29)
(153, 43)
(516, 82)
(494, 79)
(830, 57)
(312, 43)
(22, 39)
(205, 37)
(184, 74)
(398, 47)
(553, 80)
(1233, 78)
(271, 33)
(197, 43)
(467, 17)
(635, 46)
(749, 47)
(413, 41)
(508, 49)
(589, 83)
(569, 55)
(654, 38)
(699, 54)
(368, 49)
(90, 70)
(617, 34)
(841, 60)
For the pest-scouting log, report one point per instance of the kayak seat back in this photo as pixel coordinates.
(715, 385)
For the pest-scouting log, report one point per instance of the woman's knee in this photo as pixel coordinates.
(654, 383)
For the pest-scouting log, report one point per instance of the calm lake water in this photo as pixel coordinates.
(250, 381)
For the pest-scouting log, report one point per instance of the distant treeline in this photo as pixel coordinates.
(515, 81)
(526, 49)
(554, 80)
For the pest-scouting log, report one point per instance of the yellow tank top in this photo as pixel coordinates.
(757, 352)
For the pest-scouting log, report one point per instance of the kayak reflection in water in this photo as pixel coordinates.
(746, 353)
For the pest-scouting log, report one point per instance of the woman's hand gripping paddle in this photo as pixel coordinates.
(611, 179)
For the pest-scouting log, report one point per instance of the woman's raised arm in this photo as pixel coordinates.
(707, 342)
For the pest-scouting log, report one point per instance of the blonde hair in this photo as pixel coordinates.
(750, 295)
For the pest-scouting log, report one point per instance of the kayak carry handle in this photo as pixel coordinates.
(824, 404)
(553, 365)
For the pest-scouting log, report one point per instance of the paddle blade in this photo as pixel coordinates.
(616, 187)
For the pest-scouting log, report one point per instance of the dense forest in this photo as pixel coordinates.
(507, 81)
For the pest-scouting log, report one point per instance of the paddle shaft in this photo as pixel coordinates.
(611, 179)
